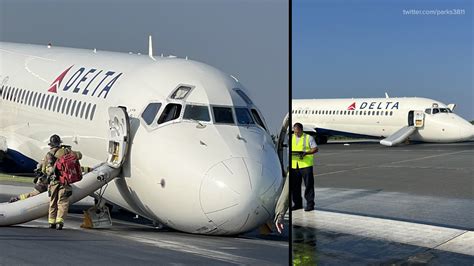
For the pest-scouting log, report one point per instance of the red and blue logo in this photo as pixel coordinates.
(57, 82)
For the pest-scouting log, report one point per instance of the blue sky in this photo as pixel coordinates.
(244, 38)
(364, 48)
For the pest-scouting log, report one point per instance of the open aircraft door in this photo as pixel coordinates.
(119, 132)
(419, 118)
(416, 118)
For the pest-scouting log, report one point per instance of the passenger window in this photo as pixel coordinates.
(45, 106)
(5, 92)
(171, 112)
(180, 93)
(17, 95)
(55, 103)
(150, 112)
(59, 105)
(35, 99)
(197, 112)
(11, 94)
(27, 97)
(93, 112)
(257, 118)
(68, 106)
(42, 100)
(82, 109)
(223, 115)
(87, 111)
(22, 96)
(51, 102)
(78, 108)
(73, 107)
(244, 96)
(243, 116)
(63, 108)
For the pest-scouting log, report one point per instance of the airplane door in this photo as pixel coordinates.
(419, 118)
(410, 119)
(119, 132)
(416, 118)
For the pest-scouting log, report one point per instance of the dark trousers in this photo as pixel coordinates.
(296, 177)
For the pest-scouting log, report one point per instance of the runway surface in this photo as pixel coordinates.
(379, 204)
(129, 242)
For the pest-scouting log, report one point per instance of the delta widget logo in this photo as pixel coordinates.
(352, 106)
(57, 82)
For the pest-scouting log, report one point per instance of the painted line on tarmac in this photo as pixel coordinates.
(422, 235)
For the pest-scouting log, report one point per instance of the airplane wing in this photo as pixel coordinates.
(399, 136)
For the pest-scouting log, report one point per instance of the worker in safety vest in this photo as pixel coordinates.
(41, 185)
(59, 193)
(303, 146)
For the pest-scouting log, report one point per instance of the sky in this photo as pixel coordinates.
(248, 39)
(351, 49)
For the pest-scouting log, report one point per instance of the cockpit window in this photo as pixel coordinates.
(258, 119)
(197, 112)
(180, 93)
(444, 110)
(223, 115)
(428, 111)
(150, 112)
(243, 116)
(171, 112)
(244, 96)
(435, 110)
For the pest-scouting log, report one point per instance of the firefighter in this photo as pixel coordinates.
(58, 190)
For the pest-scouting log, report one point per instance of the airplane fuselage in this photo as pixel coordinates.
(381, 117)
(196, 162)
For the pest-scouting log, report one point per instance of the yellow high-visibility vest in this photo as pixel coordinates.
(303, 145)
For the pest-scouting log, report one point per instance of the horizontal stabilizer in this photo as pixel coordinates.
(399, 136)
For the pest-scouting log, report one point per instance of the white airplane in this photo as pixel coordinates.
(200, 158)
(393, 119)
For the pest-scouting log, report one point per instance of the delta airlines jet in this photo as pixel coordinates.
(395, 120)
(200, 158)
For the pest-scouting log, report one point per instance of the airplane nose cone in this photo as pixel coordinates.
(467, 132)
(238, 195)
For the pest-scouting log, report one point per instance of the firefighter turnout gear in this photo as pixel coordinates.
(58, 192)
